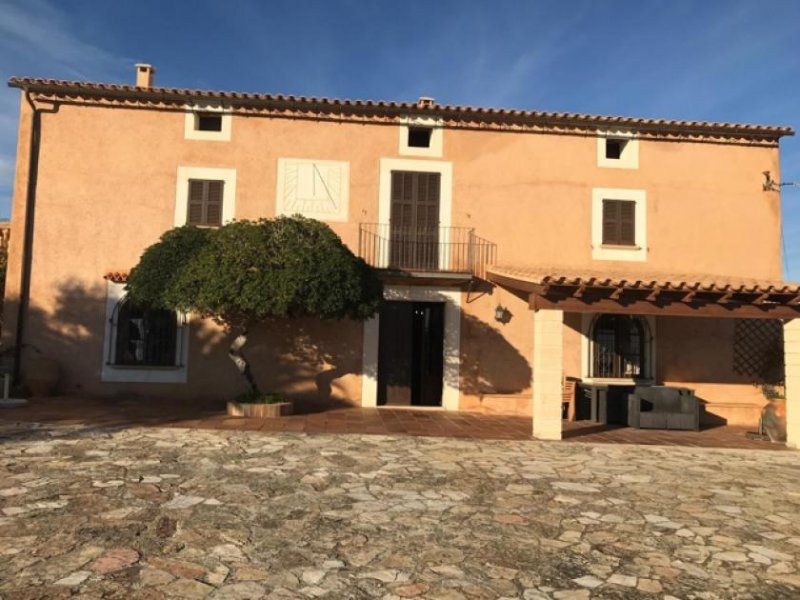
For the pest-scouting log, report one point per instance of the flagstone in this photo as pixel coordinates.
(181, 513)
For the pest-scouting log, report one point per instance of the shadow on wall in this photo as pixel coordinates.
(314, 361)
(489, 363)
(69, 332)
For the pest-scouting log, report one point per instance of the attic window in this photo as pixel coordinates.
(618, 149)
(208, 121)
(614, 148)
(419, 137)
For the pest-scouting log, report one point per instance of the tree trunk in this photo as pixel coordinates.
(235, 354)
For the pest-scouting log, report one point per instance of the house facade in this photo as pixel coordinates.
(518, 249)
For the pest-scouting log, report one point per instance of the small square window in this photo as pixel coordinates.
(208, 121)
(615, 148)
(419, 137)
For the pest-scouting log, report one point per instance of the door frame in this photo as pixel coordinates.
(452, 343)
(445, 170)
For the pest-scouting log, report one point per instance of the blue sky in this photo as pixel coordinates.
(720, 60)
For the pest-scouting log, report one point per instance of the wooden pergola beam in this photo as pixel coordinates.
(761, 298)
(674, 309)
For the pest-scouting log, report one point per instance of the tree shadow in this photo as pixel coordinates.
(69, 330)
(490, 364)
(316, 363)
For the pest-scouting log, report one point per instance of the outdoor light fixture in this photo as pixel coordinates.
(502, 314)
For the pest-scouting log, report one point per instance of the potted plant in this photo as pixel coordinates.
(260, 406)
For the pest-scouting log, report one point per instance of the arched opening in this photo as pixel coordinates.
(620, 348)
(143, 337)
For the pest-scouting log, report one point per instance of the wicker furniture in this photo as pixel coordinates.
(663, 407)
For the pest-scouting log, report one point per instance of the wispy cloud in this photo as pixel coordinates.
(40, 28)
(37, 38)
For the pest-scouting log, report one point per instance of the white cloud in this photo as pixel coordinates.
(37, 35)
(40, 26)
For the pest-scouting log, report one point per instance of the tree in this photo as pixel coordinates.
(247, 272)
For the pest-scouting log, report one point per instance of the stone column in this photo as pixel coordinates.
(548, 353)
(791, 352)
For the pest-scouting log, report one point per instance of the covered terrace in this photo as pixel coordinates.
(551, 293)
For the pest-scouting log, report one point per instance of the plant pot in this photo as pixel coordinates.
(42, 375)
(773, 420)
(259, 411)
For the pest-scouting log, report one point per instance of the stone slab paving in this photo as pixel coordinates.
(154, 512)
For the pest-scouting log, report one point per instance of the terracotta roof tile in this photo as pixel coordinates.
(459, 112)
(701, 283)
(116, 276)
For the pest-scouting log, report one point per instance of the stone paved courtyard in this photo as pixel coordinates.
(179, 513)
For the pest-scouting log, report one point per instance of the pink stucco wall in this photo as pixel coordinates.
(107, 187)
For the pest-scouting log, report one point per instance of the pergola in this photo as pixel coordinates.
(551, 292)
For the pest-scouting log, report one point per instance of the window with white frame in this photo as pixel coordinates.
(619, 224)
(617, 150)
(421, 137)
(205, 196)
(143, 337)
(210, 123)
(143, 344)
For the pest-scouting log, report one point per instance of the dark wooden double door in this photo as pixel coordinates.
(411, 354)
(414, 222)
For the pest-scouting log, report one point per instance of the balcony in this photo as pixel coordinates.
(425, 250)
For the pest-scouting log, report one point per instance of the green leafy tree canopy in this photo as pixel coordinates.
(247, 272)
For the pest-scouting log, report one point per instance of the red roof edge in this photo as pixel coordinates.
(452, 111)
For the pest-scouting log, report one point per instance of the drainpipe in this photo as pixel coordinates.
(27, 242)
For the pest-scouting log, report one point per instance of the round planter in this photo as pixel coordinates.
(42, 376)
(773, 420)
(259, 411)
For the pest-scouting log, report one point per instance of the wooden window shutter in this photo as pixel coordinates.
(402, 199)
(214, 203)
(619, 222)
(196, 194)
(205, 202)
(428, 207)
(627, 223)
(610, 222)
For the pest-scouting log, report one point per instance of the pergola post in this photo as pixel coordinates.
(791, 352)
(548, 352)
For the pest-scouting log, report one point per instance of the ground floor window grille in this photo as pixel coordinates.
(144, 337)
(619, 347)
(758, 349)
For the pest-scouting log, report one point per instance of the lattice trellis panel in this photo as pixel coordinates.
(758, 349)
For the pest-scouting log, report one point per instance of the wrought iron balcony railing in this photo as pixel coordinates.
(425, 249)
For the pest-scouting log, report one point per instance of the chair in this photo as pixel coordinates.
(568, 397)
(662, 407)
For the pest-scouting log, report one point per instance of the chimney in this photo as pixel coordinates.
(144, 75)
(425, 102)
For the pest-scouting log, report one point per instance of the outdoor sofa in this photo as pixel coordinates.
(664, 407)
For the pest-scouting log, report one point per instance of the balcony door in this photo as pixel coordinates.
(414, 221)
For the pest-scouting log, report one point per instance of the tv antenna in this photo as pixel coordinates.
(770, 185)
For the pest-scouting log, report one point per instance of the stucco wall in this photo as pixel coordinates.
(107, 188)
